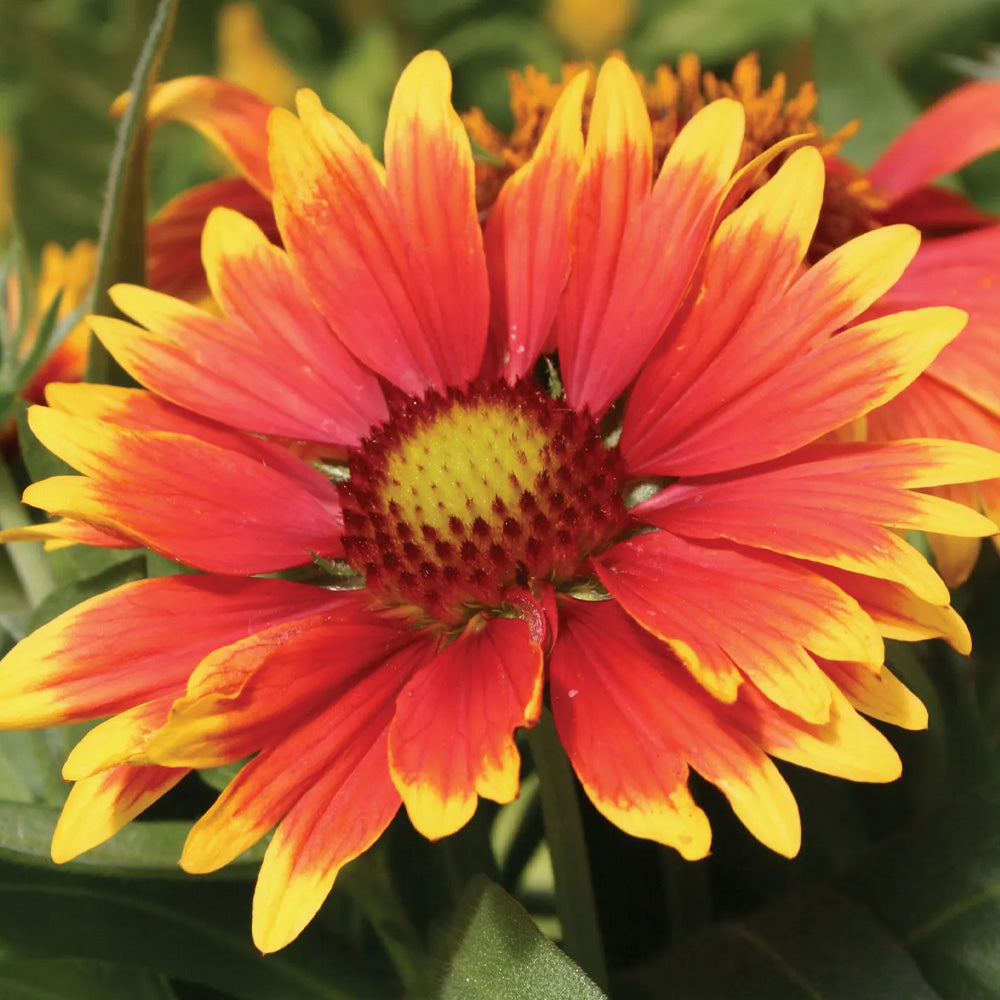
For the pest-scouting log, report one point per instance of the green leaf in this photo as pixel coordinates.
(937, 886)
(812, 945)
(717, 29)
(149, 849)
(122, 247)
(59, 979)
(197, 931)
(870, 91)
(494, 951)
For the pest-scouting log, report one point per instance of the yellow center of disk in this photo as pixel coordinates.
(460, 496)
(462, 462)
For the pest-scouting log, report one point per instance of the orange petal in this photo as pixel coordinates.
(632, 720)
(430, 181)
(339, 818)
(66, 671)
(706, 602)
(247, 695)
(900, 614)
(98, 807)
(378, 287)
(960, 271)
(634, 253)
(324, 750)
(839, 380)
(829, 504)
(173, 236)
(452, 737)
(231, 117)
(527, 236)
(251, 517)
(272, 367)
(960, 128)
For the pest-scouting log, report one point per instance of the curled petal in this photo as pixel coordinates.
(63, 672)
(231, 117)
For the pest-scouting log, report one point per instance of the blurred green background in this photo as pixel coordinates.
(63, 61)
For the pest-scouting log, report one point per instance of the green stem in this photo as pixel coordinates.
(575, 903)
(29, 560)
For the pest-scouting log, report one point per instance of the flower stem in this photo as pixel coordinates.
(575, 904)
(28, 558)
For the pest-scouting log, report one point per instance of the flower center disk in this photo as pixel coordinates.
(460, 496)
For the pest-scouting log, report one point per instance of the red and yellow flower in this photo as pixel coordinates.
(959, 396)
(583, 456)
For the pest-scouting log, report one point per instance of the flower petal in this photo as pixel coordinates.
(631, 720)
(899, 614)
(98, 807)
(527, 236)
(173, 236)
(272, 366)
(634, 253)
(452, 737)
(828, 504)
(323, 750)
(961, 127)
(882, 696)
(838, 380)
(340, 817)
(231, 117)
(933, 407)
(706, 603)
(847, 746)
(250, 517)
(393, 301)
(241, 697)
(430, 181)
(960, 271)
(65, 671)
(118, 740)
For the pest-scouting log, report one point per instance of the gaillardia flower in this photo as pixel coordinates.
(959, 396)
(583, 456)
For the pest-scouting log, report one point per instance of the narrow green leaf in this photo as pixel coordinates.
(28, 559)
(149, 849)
(494, 951)
(937, 886)
(61, 979)
(197, 931)
(122, 246)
